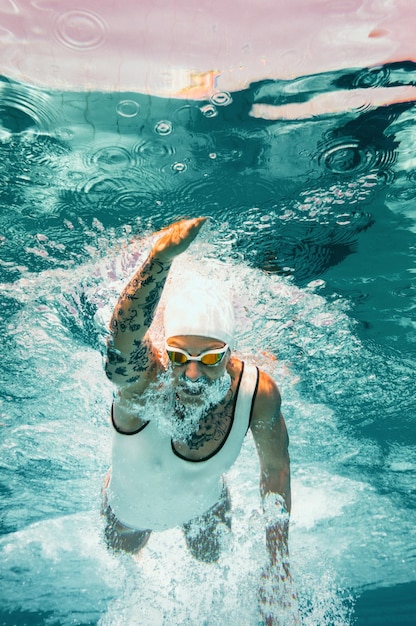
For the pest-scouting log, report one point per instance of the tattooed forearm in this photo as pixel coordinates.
(136, 307)
(151, 302)
(139, 357)
(128, 353)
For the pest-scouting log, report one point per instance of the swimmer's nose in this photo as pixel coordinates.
(192, 371)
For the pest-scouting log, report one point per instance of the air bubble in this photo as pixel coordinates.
(128, 108)
(163, 127)
(179, 167)
(209, 110)
(221, 98)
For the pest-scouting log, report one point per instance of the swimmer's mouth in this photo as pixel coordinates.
(196, 389)
(193, 388)
(191, 392)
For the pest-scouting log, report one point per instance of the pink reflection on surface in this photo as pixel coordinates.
(190, 49)
(356, 100)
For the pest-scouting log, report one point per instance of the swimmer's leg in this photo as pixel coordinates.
(120, 537)
(203, 534)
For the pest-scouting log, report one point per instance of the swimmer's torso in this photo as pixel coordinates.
(157, 483)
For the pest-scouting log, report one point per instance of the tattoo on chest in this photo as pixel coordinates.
(214, 427)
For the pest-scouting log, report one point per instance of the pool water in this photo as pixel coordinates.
(312, 223)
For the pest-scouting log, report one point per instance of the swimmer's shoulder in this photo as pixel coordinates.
(130, 406)
(266, 388)
(267, 401)
(127, 415)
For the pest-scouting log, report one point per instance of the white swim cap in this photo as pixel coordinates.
(200, 307)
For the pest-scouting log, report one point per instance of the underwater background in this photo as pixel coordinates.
(309, 184)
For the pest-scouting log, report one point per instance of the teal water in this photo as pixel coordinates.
(313, 224)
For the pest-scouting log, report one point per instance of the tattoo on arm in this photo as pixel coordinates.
(139, 356)
(132, 317)
(137, 304)
(151, 302)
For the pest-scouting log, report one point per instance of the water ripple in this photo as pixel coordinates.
(79, 29)
(110, 158)
(128, 108)
(230, 148)
(22, 107)
(220, 193)
(192, 191)
(119, 198)
(187, 116)
(349, 156)
(152, 150)
(372, 77)
(34, 148)
(139, 179)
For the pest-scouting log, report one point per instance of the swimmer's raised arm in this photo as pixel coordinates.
(130, 355)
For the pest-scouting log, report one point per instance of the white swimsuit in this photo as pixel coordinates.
(152, 487)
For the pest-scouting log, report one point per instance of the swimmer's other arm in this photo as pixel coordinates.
(131, 357)
(272, 442)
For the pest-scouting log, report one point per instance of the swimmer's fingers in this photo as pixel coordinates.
(176, 238)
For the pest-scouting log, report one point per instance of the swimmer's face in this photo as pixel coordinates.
(192, 377)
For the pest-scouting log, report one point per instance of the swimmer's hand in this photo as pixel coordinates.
(278, 596)
(176, 238)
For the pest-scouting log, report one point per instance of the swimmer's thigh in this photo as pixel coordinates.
(203, 534)
(120, 537)
(117, 536)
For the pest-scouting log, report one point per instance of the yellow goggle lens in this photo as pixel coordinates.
(177, 357)
(211, 357)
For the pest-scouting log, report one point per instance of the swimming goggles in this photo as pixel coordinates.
(177, 356)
